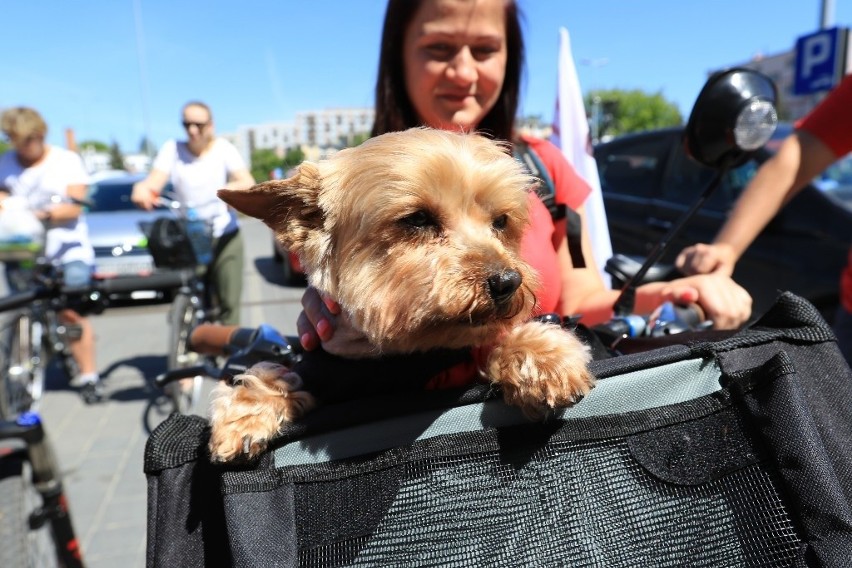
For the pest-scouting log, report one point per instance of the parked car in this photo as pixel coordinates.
(115, 231)
(648, 182)
(291, 268)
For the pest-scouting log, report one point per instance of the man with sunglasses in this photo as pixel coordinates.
(197, 168)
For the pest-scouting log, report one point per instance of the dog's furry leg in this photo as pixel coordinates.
(245, 416)
(539, 367)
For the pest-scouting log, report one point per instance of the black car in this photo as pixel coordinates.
(648, 182)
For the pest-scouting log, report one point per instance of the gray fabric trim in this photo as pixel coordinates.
(640, 390)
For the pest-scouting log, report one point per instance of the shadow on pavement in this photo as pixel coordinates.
(149, 366)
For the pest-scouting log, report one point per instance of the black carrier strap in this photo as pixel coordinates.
(546, 191)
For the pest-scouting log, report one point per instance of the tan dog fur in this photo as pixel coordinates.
(405, 231)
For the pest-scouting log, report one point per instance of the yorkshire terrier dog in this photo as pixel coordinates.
(416, 234)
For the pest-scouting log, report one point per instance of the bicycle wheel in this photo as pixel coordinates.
(183, 317)
(58, 342)
(21, 544)
(24, 353)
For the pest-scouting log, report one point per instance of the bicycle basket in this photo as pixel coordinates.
(21, 233)
(178, 243)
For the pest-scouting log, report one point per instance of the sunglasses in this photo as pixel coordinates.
(198, 125)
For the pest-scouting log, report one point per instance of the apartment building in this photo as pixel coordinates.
(317, 133)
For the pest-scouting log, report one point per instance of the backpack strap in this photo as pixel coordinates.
(546, 191)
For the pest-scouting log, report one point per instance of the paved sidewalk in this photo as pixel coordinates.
(100, 450)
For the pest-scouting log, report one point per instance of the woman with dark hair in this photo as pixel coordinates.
(458, 65)
(394, 110)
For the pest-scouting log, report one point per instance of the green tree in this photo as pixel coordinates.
(621, 111)
(116, 159)
(147, 147)
(292, 158)
(4, 146)
(95, 145)
(263, 162)
(359, 138)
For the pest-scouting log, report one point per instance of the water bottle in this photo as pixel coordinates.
(670, 318)
(199, 238)
(631, 325)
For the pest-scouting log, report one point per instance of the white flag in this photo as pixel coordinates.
(571, 134)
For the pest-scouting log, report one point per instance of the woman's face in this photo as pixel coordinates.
(455, 61)
(30, 149)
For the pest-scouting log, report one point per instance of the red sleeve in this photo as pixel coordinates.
(571, 189)
(831, 120)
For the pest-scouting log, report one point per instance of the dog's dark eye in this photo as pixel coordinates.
(420, 219)
(500, 222)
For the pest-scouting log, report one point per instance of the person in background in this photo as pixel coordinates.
(37, 172)
(819, 139)
(457, 65)
(197, 169)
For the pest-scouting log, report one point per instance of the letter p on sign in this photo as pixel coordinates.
(815, 52)
(820, 60)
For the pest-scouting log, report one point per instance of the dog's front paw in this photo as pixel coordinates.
(245, 416)
(540, 367)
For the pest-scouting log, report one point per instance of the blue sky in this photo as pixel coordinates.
(87, 65)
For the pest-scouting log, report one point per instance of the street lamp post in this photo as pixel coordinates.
(826, 16)
(595, 121)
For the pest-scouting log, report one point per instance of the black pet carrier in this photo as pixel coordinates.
(734, 452)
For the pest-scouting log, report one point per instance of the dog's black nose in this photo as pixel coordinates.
(501, 286)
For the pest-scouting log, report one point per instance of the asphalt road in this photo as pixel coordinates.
(100, 447)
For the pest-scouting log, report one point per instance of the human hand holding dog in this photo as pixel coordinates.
(323, 322)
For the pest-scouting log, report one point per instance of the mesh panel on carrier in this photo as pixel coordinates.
(727, 453)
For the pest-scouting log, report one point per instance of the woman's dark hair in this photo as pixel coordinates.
(394, 111)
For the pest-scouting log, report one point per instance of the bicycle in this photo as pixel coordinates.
(185, 242)
(241, 348)
(35, 522)
(31, 339)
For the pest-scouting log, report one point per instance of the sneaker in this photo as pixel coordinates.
(77, 381)
(92, 392)
(83, 379)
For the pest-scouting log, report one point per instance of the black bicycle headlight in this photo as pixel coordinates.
(733, 116)
(755, 125)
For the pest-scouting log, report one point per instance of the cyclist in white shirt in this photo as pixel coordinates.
(197, 168)
(35, 172)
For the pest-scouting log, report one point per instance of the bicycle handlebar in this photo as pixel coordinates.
(244, 347)
(157, 281)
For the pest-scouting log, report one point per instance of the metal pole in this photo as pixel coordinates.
(826, 19)
(143, 76)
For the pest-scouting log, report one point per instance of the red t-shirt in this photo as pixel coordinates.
(543, 237)
(831, 122)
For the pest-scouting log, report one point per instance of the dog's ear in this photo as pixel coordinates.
(288, 206)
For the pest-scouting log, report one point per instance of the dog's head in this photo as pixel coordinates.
(415, 233)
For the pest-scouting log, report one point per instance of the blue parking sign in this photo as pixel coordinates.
(820, 60)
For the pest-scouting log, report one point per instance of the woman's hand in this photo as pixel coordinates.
(323, 322)
(725, 303)
(705, 259)
(143, 195)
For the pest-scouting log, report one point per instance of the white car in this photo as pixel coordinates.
(115, 229)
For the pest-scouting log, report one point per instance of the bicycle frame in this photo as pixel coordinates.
(47, 482)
